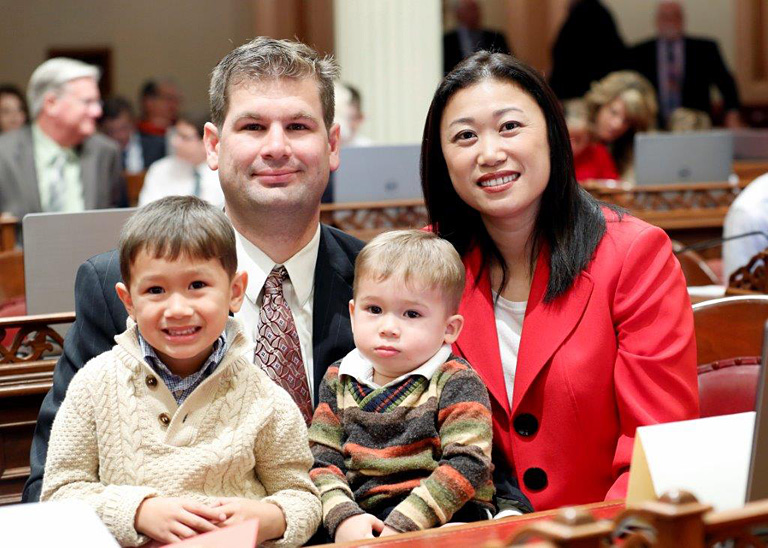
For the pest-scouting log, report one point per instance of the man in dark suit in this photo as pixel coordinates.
(682, 69)
(274, 144)
(469, 37)
(58, 163)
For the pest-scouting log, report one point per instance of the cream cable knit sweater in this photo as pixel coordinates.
(120, 437)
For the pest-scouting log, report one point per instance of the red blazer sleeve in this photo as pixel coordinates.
(655, 371)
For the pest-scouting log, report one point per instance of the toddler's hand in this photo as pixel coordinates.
(358, 527)
(387, 531)
(169, 520)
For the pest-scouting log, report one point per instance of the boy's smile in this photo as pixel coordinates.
(399, 326)
(181, 306)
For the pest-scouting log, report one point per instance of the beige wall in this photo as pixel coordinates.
(182, 39)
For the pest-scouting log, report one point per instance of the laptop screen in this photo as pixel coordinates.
(757, 484)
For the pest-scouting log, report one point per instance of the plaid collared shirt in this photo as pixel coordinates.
(183, 387)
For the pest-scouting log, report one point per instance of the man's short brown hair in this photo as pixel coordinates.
(177, 226)
(268, 59)
(417, 258)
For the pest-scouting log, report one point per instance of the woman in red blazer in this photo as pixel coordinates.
(576, 316)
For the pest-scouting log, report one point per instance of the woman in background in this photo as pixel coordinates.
(13, 108)
(620, 105)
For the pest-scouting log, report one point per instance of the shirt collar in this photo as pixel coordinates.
(358, 367)
(211, 363)
(47, 148)
(300, 267)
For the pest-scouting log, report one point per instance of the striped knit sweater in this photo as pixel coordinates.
(421, 445)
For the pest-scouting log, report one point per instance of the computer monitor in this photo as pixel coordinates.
(378, 174)
(750, 144)
(55, 244)
(695, 157)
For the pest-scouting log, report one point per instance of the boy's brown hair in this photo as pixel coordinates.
(174, 226)
(417, 257)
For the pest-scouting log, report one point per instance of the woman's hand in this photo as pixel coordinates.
(236, 510)
(170, 520)
(358, 527)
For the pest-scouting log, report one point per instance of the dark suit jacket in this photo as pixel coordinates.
(704, 67)
(100, 316)
(100, 171)
(452, 55)
(153, 147)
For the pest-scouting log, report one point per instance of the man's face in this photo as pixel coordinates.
(669, 20)
(273, 151)
(76, 109)
(119, 129)
(187, 143)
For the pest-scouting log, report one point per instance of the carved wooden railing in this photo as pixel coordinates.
(26, 375)
(367, 219)
(8, 225)
(677, 519)
(750, 278)
(686, 205)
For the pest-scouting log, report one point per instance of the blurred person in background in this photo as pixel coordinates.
(469, 36)
(591, 159)
(618, 106)
(185, 171)
(118, 123)
(13, 108)
(683, 69)
(349, 115)
(57, 164)
(587, 48)
(160, 102)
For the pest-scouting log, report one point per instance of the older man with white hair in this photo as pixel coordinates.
(58, 163)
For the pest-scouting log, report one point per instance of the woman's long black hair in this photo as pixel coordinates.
(569, 220)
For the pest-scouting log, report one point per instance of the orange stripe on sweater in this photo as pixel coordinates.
(468, 410)
(390, 452)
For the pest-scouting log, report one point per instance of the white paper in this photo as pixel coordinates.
(61, 524)
(708, 457)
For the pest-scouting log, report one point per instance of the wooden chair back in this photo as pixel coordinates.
(11, 275)
(8, 226)
(695, 269)
(26, 374)
(133, 184)
(729, 340)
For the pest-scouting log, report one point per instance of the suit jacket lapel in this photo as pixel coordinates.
(88, 165)
(547, 325)
(331, 331)
(480, 343)
(25, 162)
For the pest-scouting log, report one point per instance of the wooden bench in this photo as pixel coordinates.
(26, 374)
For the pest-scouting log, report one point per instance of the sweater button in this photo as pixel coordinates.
(151, 381)
(164, 419)
(535, 479)
(526, 424)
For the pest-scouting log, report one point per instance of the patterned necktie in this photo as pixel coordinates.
(57, 188)
(277, 343)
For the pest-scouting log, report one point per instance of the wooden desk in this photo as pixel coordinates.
(477, 534)
(749, 170)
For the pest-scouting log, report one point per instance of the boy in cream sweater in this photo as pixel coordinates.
(175, 431)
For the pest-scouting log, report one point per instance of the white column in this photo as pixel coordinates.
(391, 50)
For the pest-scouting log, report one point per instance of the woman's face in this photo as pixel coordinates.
(611, 122)
(11, 113)
(494, 139)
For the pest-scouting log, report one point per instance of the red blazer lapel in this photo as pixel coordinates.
(478, 342)
(546, 325)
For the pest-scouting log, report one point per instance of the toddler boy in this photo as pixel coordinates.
(175, 431)
(402, 432)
